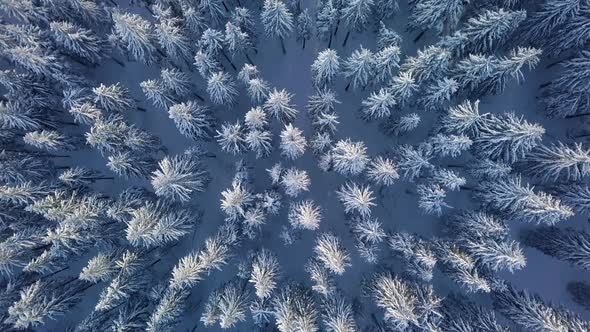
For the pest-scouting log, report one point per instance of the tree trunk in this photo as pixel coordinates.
(577, 115)
(113, 2)
(118, 61)
(239, 3)
(199, 96)
(248, 58)
(283, 45)
(161, 53)
(303, 47)
(419, 36)
(330, 42)
(337, 25)
(348, 86)
(101, 178)
(228, 60)
(225, 6)
(346, 38)
(141, 109)
(544, 85)
(553, 64)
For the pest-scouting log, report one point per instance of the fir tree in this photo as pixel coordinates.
(349, 158)
(567, 244)
(259, 141)
(136, 34)
(113, 98)
(79, 41)
(278, 104)
(387, 62)
(179, 177)
(49, 140)
(356, 198)
(192, 120)
(221, 89)
(382, 171)
(331, 253)
(412, 162)
(325, 68)
(170, 34)
(231, 137)
(558, 161)
(387, 37)
(157, 93)
(305, 215)
(277, 20)
(258, 90)
(356, 14)
(431, 199)
(304, 27)
(491, 29)
(379, 104)
(293, 142)
(440, 16)
(359, 68)
(264, 273)
(295, 181)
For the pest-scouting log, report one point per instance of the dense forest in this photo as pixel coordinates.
(295, 165)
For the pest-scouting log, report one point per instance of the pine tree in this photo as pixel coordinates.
(530, 312)
(438, 94)
(221, 89)
(206, 64)
(278, 104)
(295, 181)
(440, 16)
(170, 34)
(323, 101)
(412, 162)
(79, 41)
(542, 23)
(40, 301)
(157, 93)
(577, 196)
(231, 138)
(356, 198)
(157, 224)
(264, 273)
(486, 169)
(496, 255)
(256, 118)
(213, 9)
(259, 141)
(387, 62)
(248, 72)
(416, 254)
(558, 161)
(49, 140)
(491, 29)
(428, 64)
(441, 145)
(136, 34)
(294, 309)
(403, 87)
(192, 120)
(327, 19)
(379, 104)
(304, 27)
(510, 195)
(113, 98)
(293, 142)
(177, 81)
(465, 119)
(356, 14)
(226, 305)
(305, 215)
(179, 177)
(359, 68)
(382, 171)
(387, 37)
(258, 90)
(127, 165)
(331, 253)
(277, 20)
(236, 200)
(508, 138)
(101, 267)
(401, 125)
(385, 9)
(325, 68)
(567, 244)
(349, 158)
(237, 41)
(323, 280)
(85, 113)
(431, 199)
(448, 179)
(338, 314)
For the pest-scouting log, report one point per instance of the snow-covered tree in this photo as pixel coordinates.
(170, 34)
(491, 29)
(416, 254)
(79, 177)
(259, 141)
(331, 253)
(206, 63)
(327, 19)
(258, 90)
(448, 179)
(569, 245)
(558, 161)
(530, 312)
(412, 162)
(295, 181)
(441, 145)
(237, 41)
(136, 34)
(387, 37)
(192, 120)
(277, 20)
(248, 72)
(510, 195)
(232, 137)
(403, 124)
(41, 301)
(349, 158)
(293, 142)
(379, 104)
(382, 171)
(304, 27)
(431, 199)
(227, 305)
(157, 224)
(438, 94)
(496, 255)
(387, 62)
(577, 196)
(440, 16)
(113, 98)
(157, 93)
(222, 89)
(508, 137)
(325, 68)
(486, 169)
(278, 104)
(294, 309)
(338, 314)
(428, 64)
(79, 41)
(236, 200)
(359, 68)
(543, 22)
(355, 198)
(127, 164)
(179, 177)
(356, 14)
(256, 118)
(464, 119)
(264, 273)
(305, 215)
(177, 81)
(49, 140)
(323, 280)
